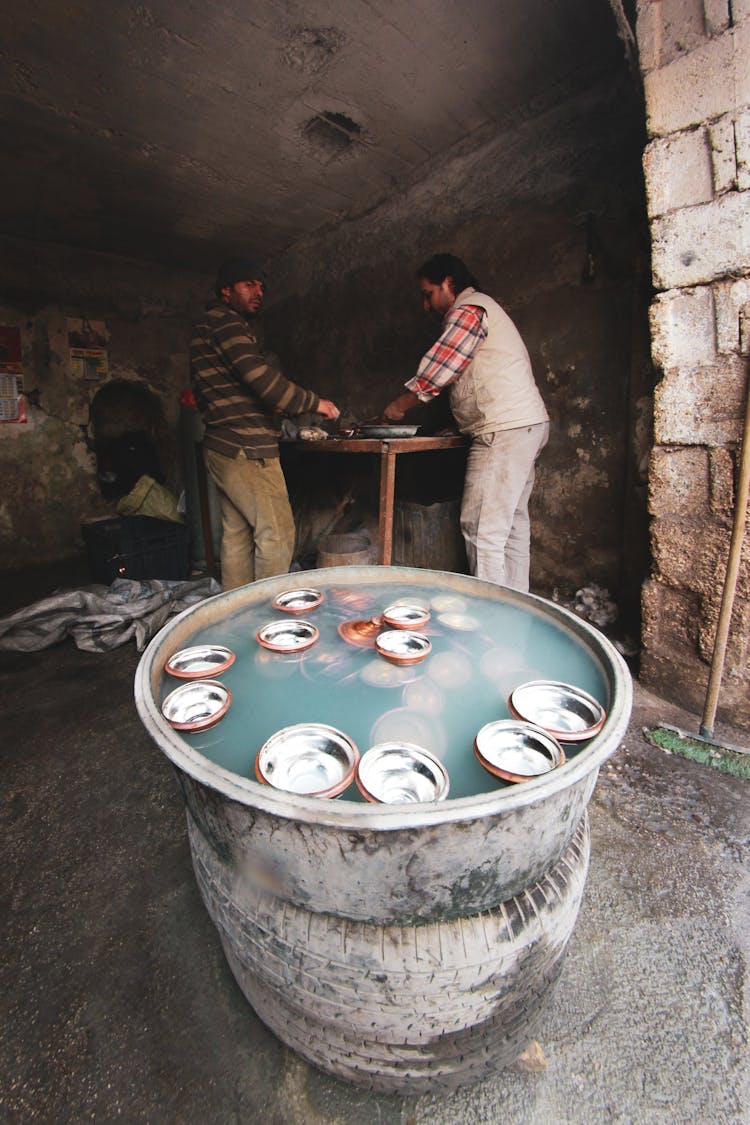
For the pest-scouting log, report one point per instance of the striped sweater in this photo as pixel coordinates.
(239, 391)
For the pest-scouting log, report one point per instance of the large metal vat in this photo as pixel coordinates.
(406, 947)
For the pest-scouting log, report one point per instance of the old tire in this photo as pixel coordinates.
(402, 1009)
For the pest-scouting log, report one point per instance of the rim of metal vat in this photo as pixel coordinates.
(342, 813)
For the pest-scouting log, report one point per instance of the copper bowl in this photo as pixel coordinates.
(567, 712)
(402, 646)
(287, 636)
(392, 773)
(196, 704)
(360, 633)
(406, 615)
(199, 662)
(517, 751)
(310, 759)
(298, 601)
(353, 601)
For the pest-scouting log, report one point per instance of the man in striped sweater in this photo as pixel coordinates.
(242, 393)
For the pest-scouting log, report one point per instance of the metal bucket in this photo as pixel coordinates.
(429, 535)
(403, 891)
(345, 549)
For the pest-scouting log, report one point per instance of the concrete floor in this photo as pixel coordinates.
(117, 1002)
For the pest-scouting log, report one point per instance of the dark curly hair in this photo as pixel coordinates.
(440, 266)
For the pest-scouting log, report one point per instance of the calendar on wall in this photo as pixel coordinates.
(12, 401)
(12, 404)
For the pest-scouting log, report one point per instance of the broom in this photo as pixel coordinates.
(703, 747)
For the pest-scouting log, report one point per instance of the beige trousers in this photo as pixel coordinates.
(257, 526)
(495, 505)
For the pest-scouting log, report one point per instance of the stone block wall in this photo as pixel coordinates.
(695, 61)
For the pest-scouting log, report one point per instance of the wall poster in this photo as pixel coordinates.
(87, 342)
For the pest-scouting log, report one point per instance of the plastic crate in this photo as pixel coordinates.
(136, 547)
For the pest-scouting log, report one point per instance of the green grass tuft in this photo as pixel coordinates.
(706, 753)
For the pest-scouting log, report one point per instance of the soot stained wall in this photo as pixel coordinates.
(47, 464)
(345, 314)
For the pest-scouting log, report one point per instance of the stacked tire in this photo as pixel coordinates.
(400, 1009)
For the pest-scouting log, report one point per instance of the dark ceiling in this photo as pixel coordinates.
(179, 131)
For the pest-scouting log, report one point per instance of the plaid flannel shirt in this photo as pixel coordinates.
(464, 329)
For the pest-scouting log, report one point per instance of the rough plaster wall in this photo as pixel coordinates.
(696, 63)
(346, 318)
(47, 467)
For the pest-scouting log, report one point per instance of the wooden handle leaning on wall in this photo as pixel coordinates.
(730, 579)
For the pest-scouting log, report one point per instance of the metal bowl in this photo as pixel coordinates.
(394, 773)
(199, 661)
(459, 622)
(287, 636)
(401, 646)
(378, 430)
(381, 674)
(517, 751)
(567, 712)
(331, 667)
(362, 634)
(449, 603)
(196, 704)
(406, 615)
(402, 724)
(309, 759)
(351, 600)
(298, 601)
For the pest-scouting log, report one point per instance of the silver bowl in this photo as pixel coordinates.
(394, 773)
(517, 751)
(287, 636)
(196, 704)
(406, 615)
(199, 661)
(402, 646)
(298, 601)
(309, 759)
(567, 712)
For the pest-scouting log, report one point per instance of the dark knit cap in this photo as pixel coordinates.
(237, 269)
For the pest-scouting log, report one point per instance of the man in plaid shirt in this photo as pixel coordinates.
(482, 360)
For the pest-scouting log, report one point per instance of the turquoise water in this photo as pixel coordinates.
(481, 650)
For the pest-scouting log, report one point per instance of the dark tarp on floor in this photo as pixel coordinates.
(100, 618)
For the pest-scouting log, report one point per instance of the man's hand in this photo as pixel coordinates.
(328, 409)
(400, 406)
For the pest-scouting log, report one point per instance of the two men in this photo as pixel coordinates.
(241, 392)
(481, 358)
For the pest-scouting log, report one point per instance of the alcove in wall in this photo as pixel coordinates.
(130, 437)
